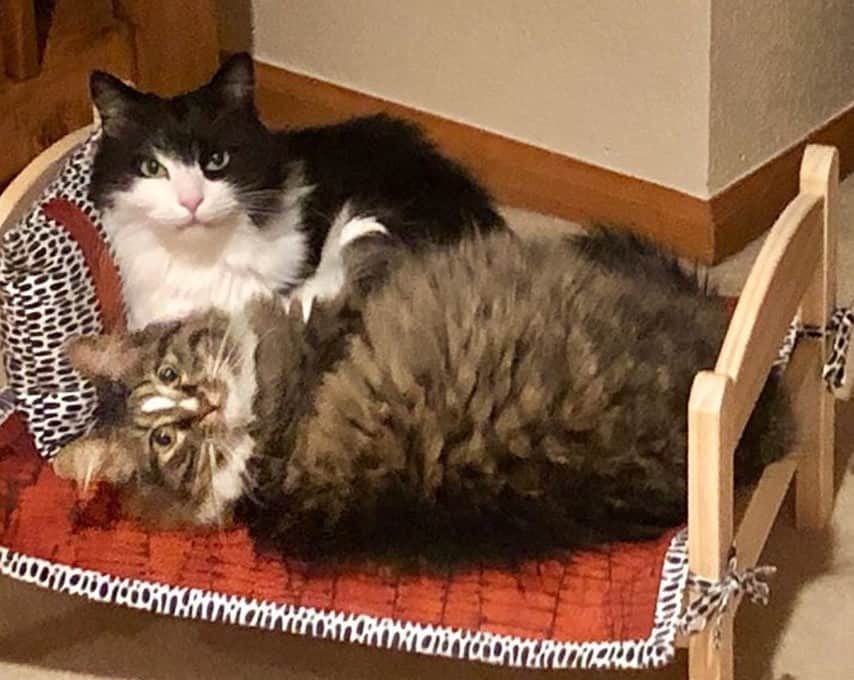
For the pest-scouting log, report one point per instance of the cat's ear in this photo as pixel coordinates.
(101, 356)
(152, 332)
(235, 81)
(113, 99)
(95, 458)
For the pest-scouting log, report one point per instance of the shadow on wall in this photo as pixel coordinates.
(235, 25)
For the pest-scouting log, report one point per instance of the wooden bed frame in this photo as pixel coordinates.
(794, 272)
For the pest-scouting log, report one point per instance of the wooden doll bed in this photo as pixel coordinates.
(794, 273)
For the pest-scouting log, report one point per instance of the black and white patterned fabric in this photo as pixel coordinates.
(714, 598)
(46, 297)
(835, 374)
(838, 329)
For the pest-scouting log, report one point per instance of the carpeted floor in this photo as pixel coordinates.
(45, 635)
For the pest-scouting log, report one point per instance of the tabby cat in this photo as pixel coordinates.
(204, 206)
(502, 398)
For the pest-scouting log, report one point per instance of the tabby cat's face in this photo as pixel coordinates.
(175, 403)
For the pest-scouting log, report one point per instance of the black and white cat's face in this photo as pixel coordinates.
(186, 164)
(175, 407)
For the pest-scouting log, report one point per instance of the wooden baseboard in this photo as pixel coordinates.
(745, 209)
(530, 177)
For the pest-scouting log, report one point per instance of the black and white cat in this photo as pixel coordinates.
(205, 206)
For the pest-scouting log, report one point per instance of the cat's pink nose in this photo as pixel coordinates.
(191, 202)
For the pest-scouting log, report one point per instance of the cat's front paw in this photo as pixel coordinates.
(327, 282)
(303, 298)
(317, 288)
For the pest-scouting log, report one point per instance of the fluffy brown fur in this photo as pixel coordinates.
(501, 399)
(509, 397)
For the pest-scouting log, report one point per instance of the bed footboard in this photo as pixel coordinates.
(794, 273)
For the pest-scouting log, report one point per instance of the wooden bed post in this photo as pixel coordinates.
(711, 443)
(814, 404)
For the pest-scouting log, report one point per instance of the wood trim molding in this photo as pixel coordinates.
(530, 177)
(748, 207)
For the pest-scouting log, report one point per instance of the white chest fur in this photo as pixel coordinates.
(168, 274)
(184, 242)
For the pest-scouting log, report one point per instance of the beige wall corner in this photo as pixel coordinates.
(779, 70)
(621, 85)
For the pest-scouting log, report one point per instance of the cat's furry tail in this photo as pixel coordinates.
(626, 253)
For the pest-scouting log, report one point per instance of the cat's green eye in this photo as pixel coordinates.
(161, 438)
(151, 167)
(167, 375)
(217, 161)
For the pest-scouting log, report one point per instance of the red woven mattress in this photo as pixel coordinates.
(615, 608)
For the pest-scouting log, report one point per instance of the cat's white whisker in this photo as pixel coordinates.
(218, 356)
(212, 457)
(90, 472)
(225, 361)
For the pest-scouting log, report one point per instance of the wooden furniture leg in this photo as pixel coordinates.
(175, 42)
(710, 498)
(18, 32)
(814, 405)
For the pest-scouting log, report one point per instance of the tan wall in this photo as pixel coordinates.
(780, 69)
(617, 83)
(691, 94)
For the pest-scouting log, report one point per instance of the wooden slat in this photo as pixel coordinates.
(814, 406)
(759, 517)
(20, 40)
(769, 301)
(707, 659)
(795, 267)
(755, 526)
(711, 442)
(710, 473)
